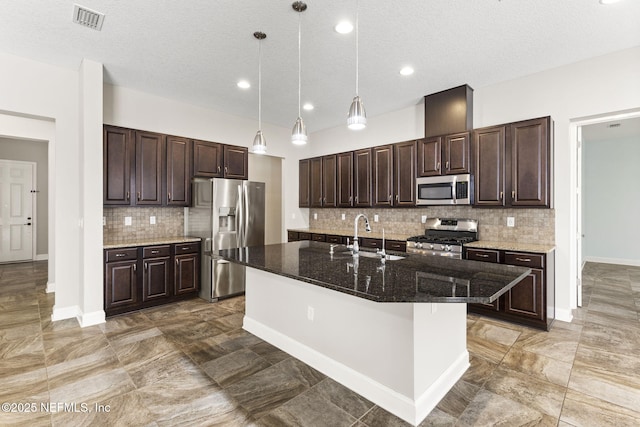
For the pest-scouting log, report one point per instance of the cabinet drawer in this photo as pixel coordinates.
(304, 236)
(395, 245)
(318, 237)
(156, 251)
(483, 255)
(370, 243)
(293, 236)
(332, 238)
(524, 259)
(125, 254)
(186, 248)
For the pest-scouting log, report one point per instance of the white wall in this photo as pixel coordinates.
(268, 169)
(609, 197)
(595, 86)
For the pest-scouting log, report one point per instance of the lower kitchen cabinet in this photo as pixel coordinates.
(146, 276)
(532, 301)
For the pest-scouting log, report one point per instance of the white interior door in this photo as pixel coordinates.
(16, 211)
(579, 217)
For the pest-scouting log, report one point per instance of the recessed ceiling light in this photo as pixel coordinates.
(243, 84)
(308, 106)
(344, 27)
(406, 71)
(608, 1)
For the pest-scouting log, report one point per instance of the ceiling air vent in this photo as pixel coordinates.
(87, 17)
(614, 125)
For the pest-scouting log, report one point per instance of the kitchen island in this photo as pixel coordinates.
(393, 331)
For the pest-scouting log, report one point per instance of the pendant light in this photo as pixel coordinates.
(357, 118)
(259, 142)
(299, 133)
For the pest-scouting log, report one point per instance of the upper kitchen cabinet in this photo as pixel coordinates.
(178, 167)
(382, 170)
(362, 179)
(404, 173)
(444, 155)
(344, 180)
(315, 182)
(236, 162)
(322, 181)
(303, 183)
(207, 159)
(118, 156)
(513, 165)
(149, 167)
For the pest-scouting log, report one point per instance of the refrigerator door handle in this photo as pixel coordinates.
(240, 218)
(245, 213)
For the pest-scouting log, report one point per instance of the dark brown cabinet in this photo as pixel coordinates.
(118, 157)
(168, 273)
(444, 155)
(362, 178)
(304, 170)
(322, 181)
(404, 174)
(530, 302)
(236, 162)
(315, 182)
(513, 164)
(344, 180)
(382, 171)
(149, 167)
(178, 182)
(207, 159)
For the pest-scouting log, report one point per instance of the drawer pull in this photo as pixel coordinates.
(523, 259)
(185, 248)
(155, 252)
(482, 255)
(121, 255)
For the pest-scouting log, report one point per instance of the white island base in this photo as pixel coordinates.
(404, 357)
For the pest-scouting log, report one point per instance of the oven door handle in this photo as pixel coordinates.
(455, 190)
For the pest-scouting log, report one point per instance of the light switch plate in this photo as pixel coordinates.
(343, 216)
(315, 216)
(104, 221)
(152, 220)
(375, 218)
(511, 221)
(423, 218)
(127, 220)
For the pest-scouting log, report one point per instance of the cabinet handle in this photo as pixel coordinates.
(218, 169)
(121, 255)
(513, 194)
(226, 169)
(446, 165)
(168, 197)
(128, 195)
(177, 261)
(350, 199)
(397, 197)
(438, 167)
(390, 198)
(324, 200)
(146, 266)
(523, 259)
(135, 268)
(356, 199)
(138, 195)
(184, 248)
(501, 195)
(482, 255)
(155, 252)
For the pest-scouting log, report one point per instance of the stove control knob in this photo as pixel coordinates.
(431, 246)
(418, 245)
(447, 248)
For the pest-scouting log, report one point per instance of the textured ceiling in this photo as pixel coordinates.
(196, 50)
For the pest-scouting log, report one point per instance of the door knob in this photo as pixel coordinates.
(28, 223)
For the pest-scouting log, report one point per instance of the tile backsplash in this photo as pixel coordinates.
(169, 222)
(533, 226)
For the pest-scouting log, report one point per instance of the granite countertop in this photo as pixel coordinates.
(415, 278)
(111, 243)
(349, 233)
(511, 246)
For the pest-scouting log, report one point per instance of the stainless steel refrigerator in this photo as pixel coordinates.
(225, 213)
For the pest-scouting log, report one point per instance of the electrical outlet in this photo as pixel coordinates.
(423, 218)
(315, 216)
(310, 313)
(152, 220)
(104, 221)
(127, 220)
(511, 221)
(344, 217)
(293, 216)
(375, 218)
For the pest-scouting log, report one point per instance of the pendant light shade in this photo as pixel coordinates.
(259, 142)
(299, 132)
(357, 118)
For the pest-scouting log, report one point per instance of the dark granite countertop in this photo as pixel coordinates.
(415, 278)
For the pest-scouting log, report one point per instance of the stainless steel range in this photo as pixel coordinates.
(444, 237)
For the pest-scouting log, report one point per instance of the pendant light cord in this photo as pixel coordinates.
(357, 49)
(260, 85)
(299, 61)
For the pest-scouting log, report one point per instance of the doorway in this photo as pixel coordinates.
(607, 155)
(268, 169)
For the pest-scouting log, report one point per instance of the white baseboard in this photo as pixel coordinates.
(51, 287)
(564, 315)
(42, 257)
(65, 313)
(90, 319)
(618, 261)
(404, 407)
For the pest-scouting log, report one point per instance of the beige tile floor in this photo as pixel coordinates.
(191, 364)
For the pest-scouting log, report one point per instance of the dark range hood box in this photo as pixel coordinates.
(449, 111)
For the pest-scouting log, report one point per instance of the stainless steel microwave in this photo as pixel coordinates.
(445, 190)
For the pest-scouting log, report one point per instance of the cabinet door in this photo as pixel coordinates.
(485, 255)
(404, 174)
(315, 182)
(489, 154)
(429, 153)
(236, 162)
(149, 165)
(120, 284)
(530, 168)
(526, 299)
(345, 178)
(456, 153)
(382, 175)
(186, 274)
(329, 180)
(155, 278)
(303, 183)
(207, 159)
(118, 156)
(178, 166)
(362, 167)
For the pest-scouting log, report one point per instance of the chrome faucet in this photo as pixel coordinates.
(356, 247)
(381, 252)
